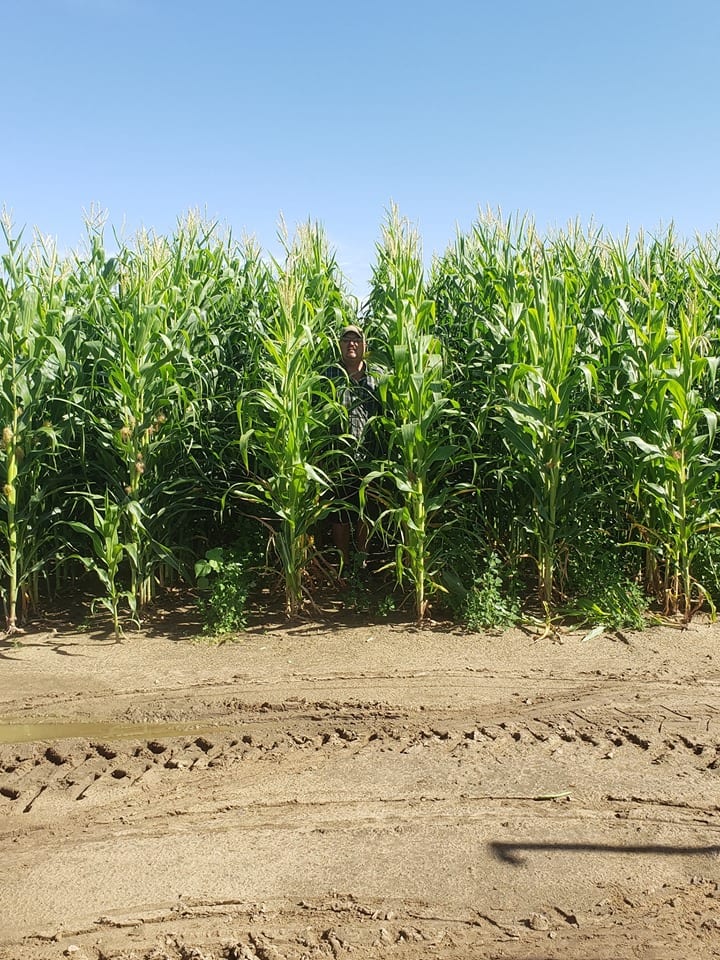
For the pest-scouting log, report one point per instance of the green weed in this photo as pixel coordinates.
(227, 576)
(491, 601)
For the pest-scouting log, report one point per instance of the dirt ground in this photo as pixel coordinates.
(364, 790)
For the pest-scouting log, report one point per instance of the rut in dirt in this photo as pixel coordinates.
(74, 769)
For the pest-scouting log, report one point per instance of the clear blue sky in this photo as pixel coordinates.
(333, 109)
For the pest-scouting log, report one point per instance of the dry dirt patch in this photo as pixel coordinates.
(372, 791)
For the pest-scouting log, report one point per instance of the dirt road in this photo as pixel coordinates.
(376, 791)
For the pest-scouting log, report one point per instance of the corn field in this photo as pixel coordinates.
(549, 410)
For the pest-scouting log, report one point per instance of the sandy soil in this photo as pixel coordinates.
(361, 790)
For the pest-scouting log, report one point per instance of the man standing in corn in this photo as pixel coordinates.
(357, 391)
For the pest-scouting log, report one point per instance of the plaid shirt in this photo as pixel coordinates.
(360, 399)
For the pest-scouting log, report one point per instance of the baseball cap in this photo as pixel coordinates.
(352, 328)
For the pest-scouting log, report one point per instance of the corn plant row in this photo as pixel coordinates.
(547, 399)
(589, 366)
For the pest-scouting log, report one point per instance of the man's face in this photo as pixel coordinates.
(352, 346)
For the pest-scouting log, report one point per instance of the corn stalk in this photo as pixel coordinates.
(544, 383)
(675, 476)
(154, 364)
(422, 455)
(33, 367)
(285, 410)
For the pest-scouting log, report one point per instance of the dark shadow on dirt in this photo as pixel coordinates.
(9, 648)
(174, 615)
(369, 601)
(176, 619)
(513, 852)
(366, 602)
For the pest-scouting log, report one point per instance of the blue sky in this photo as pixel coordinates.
(334, 109)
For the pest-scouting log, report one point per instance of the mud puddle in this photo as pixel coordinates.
(102, 730)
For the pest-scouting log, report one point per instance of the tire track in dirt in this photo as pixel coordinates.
(668, 923)
(37, 775)
(429, 689)
(458, 806)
